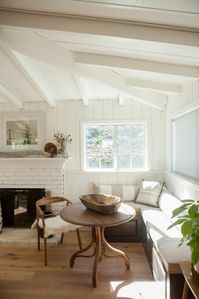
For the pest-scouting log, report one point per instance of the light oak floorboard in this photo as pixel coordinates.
(23, 275)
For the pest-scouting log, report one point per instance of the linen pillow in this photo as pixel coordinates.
(149, 193)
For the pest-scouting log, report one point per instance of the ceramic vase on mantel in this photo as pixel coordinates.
(63, 149)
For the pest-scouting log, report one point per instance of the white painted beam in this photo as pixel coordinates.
(109, 78)
(154, 85)
(51, 53)
(82, 89)
(100, 27)
(137, 64)
(13, 98)
(36, 77)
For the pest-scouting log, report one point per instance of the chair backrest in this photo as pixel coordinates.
(49, 200)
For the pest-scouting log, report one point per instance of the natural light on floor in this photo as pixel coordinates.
(138, 289)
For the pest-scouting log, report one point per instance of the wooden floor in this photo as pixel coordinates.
(23, 276)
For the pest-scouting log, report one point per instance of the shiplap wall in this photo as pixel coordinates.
(180, 186)
(67, 116)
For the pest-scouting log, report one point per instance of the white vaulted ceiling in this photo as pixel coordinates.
(69, 50)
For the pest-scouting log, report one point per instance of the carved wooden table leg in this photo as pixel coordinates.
(98, 254)
(79, 252)
(119, 253)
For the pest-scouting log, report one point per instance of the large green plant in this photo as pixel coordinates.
(188, 217)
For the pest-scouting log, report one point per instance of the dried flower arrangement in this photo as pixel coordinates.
(62, 140)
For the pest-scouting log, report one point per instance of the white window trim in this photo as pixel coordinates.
(147, 125)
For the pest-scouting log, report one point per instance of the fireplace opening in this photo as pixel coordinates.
(18, 206)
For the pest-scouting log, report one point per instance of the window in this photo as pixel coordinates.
(185, 144)
(115, 146)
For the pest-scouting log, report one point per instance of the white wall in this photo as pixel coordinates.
(180, 186)
(66, 117)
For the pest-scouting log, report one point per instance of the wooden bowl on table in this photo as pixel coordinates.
(101, 203)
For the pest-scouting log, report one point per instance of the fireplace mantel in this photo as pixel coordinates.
(33, 162)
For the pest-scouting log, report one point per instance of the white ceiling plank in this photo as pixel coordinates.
(56, 55)
(137, 64)
(103, 27)
(15, 100)
(154, 85)
(82, 90)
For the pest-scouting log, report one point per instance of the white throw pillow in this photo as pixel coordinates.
(149, 193)
(129, 192)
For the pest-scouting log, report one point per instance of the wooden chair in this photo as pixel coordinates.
(53, 225)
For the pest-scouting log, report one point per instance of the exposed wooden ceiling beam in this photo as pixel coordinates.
(137, 64)
(13, 98)
(103, 27)
(54, 54)
(82, 90)
(110, 78)
(36, 77)
(154, 85)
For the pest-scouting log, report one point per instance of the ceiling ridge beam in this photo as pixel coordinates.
(130, 30)
(102, 16)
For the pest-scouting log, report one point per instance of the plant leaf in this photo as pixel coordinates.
(188, 200)
(195, 256)
(186, 228)
(193, 210)
(180, 209)
(179, 221)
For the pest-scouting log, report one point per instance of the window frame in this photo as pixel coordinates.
(114, 122)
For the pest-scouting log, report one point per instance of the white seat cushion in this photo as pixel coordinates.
(169, 250)
(55, 225)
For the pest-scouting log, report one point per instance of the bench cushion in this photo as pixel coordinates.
(171, 254)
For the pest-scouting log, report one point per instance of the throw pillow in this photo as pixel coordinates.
(149, 193)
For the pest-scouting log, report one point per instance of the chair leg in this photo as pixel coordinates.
(45, 251)
(62, 238)
(38, 239)
(79, 238)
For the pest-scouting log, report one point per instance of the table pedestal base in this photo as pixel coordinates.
(100, 249)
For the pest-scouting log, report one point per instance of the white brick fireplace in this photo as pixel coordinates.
(45, 173)
(19, 174)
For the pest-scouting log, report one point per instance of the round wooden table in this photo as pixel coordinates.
(78, 214)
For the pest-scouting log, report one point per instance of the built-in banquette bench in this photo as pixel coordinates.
(150, 226)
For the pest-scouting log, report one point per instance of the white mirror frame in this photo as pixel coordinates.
(39, 117)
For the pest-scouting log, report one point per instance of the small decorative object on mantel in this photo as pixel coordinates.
(62, 140)
(51, 149)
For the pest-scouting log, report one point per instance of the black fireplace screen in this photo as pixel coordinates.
(18, 206)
